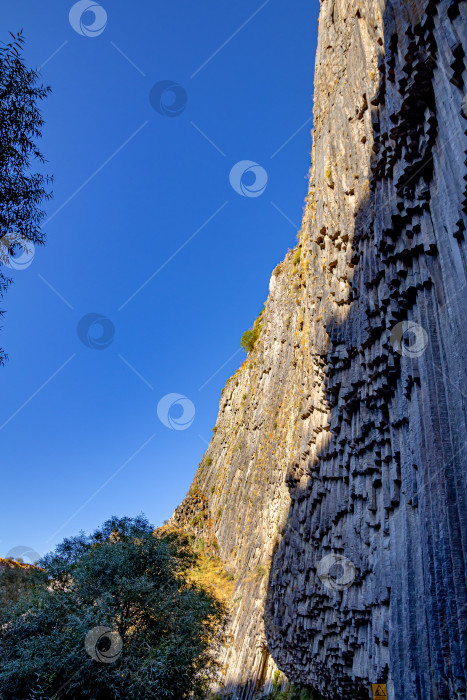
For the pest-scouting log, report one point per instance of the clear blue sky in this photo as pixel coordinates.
(131, 187)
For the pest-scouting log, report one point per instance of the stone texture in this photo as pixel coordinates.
(342, 437)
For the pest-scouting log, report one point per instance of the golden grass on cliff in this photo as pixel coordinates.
(209, 573)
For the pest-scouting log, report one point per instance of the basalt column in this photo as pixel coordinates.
(335, 486)
(383, 499)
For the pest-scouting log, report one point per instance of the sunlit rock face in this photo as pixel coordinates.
(335, 486)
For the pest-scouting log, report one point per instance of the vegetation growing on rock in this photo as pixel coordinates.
(250, 337)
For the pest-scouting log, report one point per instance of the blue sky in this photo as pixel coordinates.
(147, 231)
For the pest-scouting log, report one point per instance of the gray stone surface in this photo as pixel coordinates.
(335, 485)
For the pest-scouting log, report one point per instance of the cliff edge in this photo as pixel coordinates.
(335, 486)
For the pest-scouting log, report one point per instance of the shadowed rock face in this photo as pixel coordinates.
(335, 486)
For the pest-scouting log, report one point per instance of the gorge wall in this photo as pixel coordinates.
(335, 485)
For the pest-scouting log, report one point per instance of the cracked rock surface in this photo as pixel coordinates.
(335, 486)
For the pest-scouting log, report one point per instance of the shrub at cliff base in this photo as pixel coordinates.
(113, 615)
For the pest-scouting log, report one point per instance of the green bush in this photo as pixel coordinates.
(249, 338)
(275, 682)
(293, 692)
(125, 592)
(260, 570)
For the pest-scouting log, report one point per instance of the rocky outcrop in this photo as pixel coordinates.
(335, 486)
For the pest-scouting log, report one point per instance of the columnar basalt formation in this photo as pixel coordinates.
(335, 486)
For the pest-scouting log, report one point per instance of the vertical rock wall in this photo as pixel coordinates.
(335, 486)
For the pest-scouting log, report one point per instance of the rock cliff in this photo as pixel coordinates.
(335, 485)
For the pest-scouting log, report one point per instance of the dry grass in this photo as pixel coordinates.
(209, 570)
(210, 574)
(13, 564)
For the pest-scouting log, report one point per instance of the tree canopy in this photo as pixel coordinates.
(22, 192)
(113, 615)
